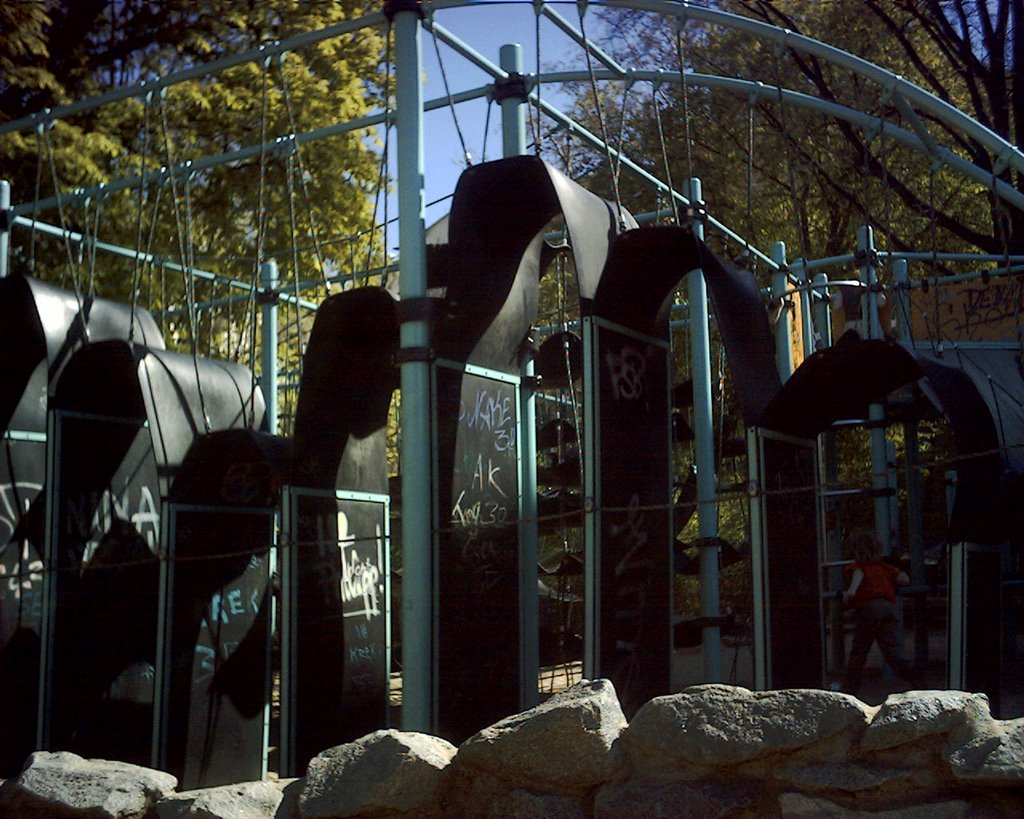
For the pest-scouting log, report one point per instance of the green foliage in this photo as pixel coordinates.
(225, 219)
(773, 171)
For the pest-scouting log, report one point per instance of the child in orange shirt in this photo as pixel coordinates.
(872, 592)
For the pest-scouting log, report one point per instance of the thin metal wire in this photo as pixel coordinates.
(184, 231)
(72, 267)
(681, 57)
(536, 128)
(138, 264)
(289, 170)
(451, 102)
(297, 147)
(35, 201)
(382, 172)
(663, 144)
(600, 120)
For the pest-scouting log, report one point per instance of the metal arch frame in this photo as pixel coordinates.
(410, 107)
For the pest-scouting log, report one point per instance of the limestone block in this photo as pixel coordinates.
(801, 806)
(386, 771)
(914, 715)
(246, 800)
(849, 778)
(667, 800)
(994, 757)
(524, 804)
(719, 725)
(564, 744)
(65, 784)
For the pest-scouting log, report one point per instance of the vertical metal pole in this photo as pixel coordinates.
(417, 518)
(704, 447)
(268, 351)
(876, 412)
(784, 323)
(806, 309)
(513, 133)
(513, 108)
(822, 312)
(912, 466)
(5, 228)
(806, 301)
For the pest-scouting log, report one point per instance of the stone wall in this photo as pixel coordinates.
(709, 751)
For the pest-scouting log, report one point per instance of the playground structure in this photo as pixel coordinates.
(184, 451)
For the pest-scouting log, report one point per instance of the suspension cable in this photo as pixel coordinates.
(681, 57)
(35, 201)
(72, 267)
(451, 101)
(289, 170)
(581, 8)
(664, 147)
(382, 171)
(138, 264)
(184, 227)
(297, 147)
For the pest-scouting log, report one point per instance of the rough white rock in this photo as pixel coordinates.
(64, 784)
(800, 806)
(850, 777)
(246, 800)
(386, 771)
(652, 800)
(715, 725)
(914, 715)
(566, 743)
(993, 757)
(524, 804)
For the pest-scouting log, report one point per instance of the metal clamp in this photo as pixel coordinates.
(696, 211)
(419, 308)
(393, 7)
(407, 354)
(511, 87)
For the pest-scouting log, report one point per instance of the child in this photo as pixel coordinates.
(872, 590)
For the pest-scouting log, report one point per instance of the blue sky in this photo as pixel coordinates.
(484, 27)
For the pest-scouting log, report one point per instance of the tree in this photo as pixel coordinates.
(229, 218)
(774, 171)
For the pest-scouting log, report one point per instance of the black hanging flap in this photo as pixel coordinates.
(348, 378)
(554, 362)
(233, 467)
(40, 327)
(981, 392)
(170, 390)
(644, 269)
(839, 382)
(742, 320)
(499, 214)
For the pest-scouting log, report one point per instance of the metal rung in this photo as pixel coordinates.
(864, 423)
(24, 435)
(868, 491)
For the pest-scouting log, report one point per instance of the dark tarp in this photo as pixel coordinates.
(838, 383)
(981, 393)
(559, 356)
(644, 269)
(348, 378)
(496, 236)
(131, 416)
(217, 662)
(40, 327)
(742, 320)
(499, 216)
